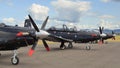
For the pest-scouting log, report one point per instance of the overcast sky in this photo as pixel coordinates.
(82, 13)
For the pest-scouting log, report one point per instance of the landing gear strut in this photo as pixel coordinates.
(62, 46)
(15, 59)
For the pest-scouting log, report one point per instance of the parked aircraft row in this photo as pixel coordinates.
(14, 37)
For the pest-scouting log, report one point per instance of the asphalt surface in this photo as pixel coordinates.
(100, 56)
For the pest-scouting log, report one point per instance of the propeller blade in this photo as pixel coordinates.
(113, 32)
(46, 45)
(44, 23)
(113, 38)
(33, 23)
(101, 33)
(113, 35)
(32, 49)
(100, 30)
(101, 41)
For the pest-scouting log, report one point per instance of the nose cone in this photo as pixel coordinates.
(42, 34)
(103, 35)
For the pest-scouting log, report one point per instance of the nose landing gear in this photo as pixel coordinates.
(15, 59)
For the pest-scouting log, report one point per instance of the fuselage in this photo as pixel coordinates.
(76, 36)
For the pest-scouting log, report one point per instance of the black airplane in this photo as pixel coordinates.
(14, 37)
(66, 35)
(105, 36)
(70, 35)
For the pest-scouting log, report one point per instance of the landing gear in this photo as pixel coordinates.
(88, 48)
(70, 45)
(62, 46)
(15, 59)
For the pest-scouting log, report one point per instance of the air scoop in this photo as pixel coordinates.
(22, 34)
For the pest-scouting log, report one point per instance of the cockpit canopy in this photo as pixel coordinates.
(2, 24)
(64, 28)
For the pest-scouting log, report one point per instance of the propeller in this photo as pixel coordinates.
(101, 35)
(100, 30)
(40, 34)
(113, 35)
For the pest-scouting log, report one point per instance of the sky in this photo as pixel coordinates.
(84, 14)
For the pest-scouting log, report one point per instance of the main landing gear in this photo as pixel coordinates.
(70, 45)
(15, 59)
(62, 46)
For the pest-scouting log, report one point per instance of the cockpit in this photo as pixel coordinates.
(2, 24)
(64, 28)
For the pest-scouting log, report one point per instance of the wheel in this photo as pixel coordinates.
(15, 60)
(62, 47)
(70, 45)
(88, 47)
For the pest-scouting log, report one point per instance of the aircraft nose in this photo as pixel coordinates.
(42, 34)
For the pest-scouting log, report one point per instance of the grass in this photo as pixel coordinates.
(48, 42)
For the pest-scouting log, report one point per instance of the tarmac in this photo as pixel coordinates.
(100, 56)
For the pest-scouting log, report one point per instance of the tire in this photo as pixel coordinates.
(15, 60)
(88, 48)
(62, 47)
(70, 45)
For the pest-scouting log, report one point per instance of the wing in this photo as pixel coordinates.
(57, 38)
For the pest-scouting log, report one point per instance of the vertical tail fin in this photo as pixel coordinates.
(27, 23)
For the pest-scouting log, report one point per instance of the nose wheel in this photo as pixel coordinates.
(70, 45)
(88, 48)
(15, 59)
